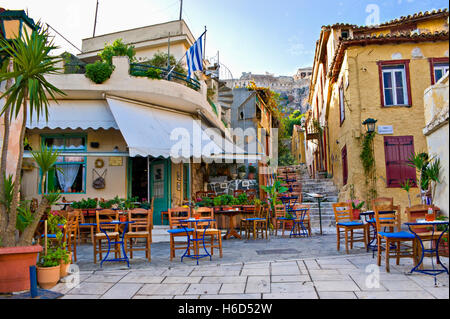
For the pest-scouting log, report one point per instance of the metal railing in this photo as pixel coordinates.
(139, 69)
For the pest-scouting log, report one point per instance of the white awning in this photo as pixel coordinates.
(151, 131)
(80, 114)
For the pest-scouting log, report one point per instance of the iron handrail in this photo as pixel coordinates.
(135, 68)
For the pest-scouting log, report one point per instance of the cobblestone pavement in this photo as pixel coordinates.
(281, 268)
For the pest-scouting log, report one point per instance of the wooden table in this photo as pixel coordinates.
(231, 214)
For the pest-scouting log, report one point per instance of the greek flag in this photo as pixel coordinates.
(194, 57)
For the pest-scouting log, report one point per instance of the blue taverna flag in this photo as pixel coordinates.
(194, 56)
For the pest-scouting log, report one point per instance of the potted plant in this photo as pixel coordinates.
(91, 205)
(66, 260)
(48, 268)
(272, 193)
(242, 171)
(357, 205)
(406, 186)
(28, 57)
(251, 172)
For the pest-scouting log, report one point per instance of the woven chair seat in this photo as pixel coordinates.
(102, 235)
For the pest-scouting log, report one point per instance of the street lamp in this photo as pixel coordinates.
(13, 24)
(370, 125)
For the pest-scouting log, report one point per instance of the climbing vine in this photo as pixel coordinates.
(368, 161)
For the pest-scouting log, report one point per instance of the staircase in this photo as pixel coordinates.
(322, 186)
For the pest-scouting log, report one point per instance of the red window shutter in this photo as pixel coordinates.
(398, 150)
(344, 166)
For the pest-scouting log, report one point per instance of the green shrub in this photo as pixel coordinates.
(153, 73)
(99, 72)
(118, 48)
(53, 257)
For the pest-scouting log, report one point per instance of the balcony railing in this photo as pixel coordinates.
(311, 130)
(138, 69)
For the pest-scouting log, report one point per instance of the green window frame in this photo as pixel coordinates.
(52, 180)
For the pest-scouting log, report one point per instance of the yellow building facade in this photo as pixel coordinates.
(377, 73)
(298, 144)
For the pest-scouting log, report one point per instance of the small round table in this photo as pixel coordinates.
(433, 272)
(195, 239)
(297, 221)
(319, 198)
(121, 242)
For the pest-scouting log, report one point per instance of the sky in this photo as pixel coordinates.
(255, 36)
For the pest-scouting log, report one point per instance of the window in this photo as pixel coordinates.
(398, 150)
(394, 83)
(344, 166)
(69, 176)
(440, 70)
(438, 66)
(345, 34)
(341, 103)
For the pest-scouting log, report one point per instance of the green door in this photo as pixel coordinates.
(159, 188)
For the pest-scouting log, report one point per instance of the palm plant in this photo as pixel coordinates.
(26, 93)
(273, 192)
(406, 186)
(420, 162)
(433, 173)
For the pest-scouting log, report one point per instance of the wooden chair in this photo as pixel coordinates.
(140, 229)
(391, 219)
(71, 231)
(307, 219)
(176, 230)
(85, 229)
(420, 212)
(104, 216)
(245, 222)
(259, 224)
(213, 232)
(344, 222)
(382, 201)
(251, 194)
(238, 192)
(280, 219)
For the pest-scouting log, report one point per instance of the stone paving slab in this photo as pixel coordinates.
(122, 291)
(333, 295)
(324, 277)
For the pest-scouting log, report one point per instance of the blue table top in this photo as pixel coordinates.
(115, 222)
(421, 223)
(192, 220)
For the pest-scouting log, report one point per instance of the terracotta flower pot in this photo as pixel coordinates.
(48, 277)
(356, 213)
(15, 265)
(64, 269)
(251, 175)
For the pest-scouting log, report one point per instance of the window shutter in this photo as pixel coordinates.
(344, 166)
(398, 150)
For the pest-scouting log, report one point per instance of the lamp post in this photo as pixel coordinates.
(370, 125)
(13, 25)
